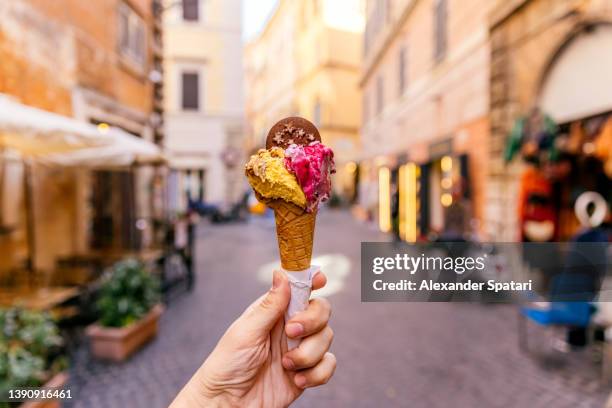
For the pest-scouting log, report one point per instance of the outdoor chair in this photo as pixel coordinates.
(570, 307)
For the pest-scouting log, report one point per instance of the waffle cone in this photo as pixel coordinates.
(295, 234)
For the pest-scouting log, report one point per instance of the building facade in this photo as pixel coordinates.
(305, 62)
(204, 101)
(556, 57)
(425, 128)
(93, 61)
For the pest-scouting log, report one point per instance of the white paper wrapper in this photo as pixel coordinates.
(301, 285)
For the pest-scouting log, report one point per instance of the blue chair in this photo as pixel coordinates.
(569, 306)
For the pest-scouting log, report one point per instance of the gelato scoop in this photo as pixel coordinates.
(270, 178)
(312, 166)
(296, 167)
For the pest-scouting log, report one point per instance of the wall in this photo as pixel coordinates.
(445, 99)
(308, 55)
(211, 46)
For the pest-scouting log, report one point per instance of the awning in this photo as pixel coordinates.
(32, 132)
(54, 139)
(122, 149)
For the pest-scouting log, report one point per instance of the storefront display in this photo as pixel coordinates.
(562, 162)
(417, 200)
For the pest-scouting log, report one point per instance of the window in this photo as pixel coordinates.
(379, 94)
(316, 113)
(440, 29)
(402, 67)
(132, 36)
(190, 86)
(191, 10)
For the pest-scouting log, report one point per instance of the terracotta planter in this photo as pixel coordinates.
(58, 381)
(117, 344)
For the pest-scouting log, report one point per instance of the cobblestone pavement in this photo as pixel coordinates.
(389, 355)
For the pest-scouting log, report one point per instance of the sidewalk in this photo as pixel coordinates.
(389, 354)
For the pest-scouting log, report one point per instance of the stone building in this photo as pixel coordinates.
(425, 127)
(305, 62)
(204, 101)
(555, 55)
(93, 61)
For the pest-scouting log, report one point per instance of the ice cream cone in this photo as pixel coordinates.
(295, 234)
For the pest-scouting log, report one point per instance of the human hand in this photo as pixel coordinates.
(251, 367)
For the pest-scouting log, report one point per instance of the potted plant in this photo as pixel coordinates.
(31, 354)
(129, 311)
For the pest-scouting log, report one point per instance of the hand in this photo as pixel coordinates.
(250, 366)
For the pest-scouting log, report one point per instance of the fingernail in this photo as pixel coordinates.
(300, 380)
(294, 329)
(288, 363)
(276, 279)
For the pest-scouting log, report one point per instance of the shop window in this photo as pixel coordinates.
(384, 199)
(132, 36)
(190, 88)
(201, 185)
(440, 29)
(191, 10)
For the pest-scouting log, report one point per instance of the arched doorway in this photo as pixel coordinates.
(578, 81)
(576, 93)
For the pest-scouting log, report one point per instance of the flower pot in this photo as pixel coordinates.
(118, 343)
(58, 381)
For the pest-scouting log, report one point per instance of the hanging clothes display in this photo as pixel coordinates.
(603, 147)
(534, 137)
(537, 216)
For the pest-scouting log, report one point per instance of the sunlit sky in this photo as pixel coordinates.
(255, 13)
(341, 14)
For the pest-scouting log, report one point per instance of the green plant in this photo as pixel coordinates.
(129, 291)
(31, 349)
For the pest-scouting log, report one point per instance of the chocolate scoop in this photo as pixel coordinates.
(292, 130)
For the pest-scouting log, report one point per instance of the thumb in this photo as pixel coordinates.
(265, 312)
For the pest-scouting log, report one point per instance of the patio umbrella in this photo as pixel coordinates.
(32, 132)
(45, 137)
(121, 150)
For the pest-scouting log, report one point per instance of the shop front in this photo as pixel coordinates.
(555, 117)
(551, 143)
(564, 142)
(412, 198)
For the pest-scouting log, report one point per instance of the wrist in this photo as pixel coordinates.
(198, 393)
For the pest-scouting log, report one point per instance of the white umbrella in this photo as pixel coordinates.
(34, 132)
(121, 150)
(41, 136)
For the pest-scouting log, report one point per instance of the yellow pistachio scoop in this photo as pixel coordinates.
(271, 180)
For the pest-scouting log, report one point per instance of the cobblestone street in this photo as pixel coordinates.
(389, 354)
